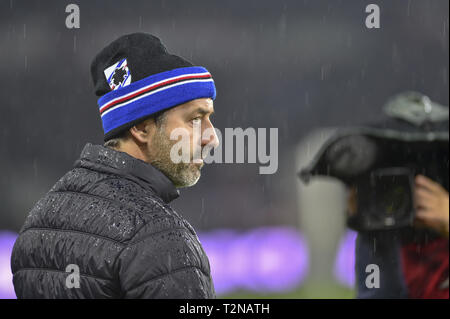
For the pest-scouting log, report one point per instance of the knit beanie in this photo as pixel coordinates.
(135, 77)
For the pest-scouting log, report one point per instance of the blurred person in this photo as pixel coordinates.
(397, 175)
(432, 205)
(425, 267)
(106, 229)
(413, 262)
(413, 259)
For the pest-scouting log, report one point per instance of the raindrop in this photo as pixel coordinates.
(349, 41)
(307, 99)
(408, 9)
(282, 26)
(35, 168)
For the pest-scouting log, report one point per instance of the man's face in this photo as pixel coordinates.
(188, 117)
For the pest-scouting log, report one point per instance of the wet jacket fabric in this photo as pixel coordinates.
(105, 230)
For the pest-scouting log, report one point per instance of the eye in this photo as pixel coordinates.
(197, 120)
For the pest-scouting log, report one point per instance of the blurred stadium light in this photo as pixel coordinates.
(344, 267)
(269, 259)
(7, 239)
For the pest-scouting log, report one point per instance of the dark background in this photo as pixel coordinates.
(294, 65)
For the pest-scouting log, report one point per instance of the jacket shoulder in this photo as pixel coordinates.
(103, 204)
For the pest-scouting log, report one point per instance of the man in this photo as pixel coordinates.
(413, 260)
(411, 267)
(396, 171)
(105, 229)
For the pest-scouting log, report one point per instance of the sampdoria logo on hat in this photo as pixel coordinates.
(118, 75)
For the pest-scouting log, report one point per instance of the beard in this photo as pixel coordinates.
(181, 174)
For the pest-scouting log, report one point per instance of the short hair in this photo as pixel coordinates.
(114, 142)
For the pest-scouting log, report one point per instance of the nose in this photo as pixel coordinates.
(209, 135)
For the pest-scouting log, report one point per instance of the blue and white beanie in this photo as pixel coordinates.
(136, 77)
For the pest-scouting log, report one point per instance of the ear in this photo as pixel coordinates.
(143, 131)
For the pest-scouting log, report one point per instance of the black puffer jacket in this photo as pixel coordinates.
(110, 218)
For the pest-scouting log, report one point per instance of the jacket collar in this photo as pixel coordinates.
(105, 159)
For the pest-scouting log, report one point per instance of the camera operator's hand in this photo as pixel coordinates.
(432, 205)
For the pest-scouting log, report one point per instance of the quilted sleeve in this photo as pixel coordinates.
(167, 264)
